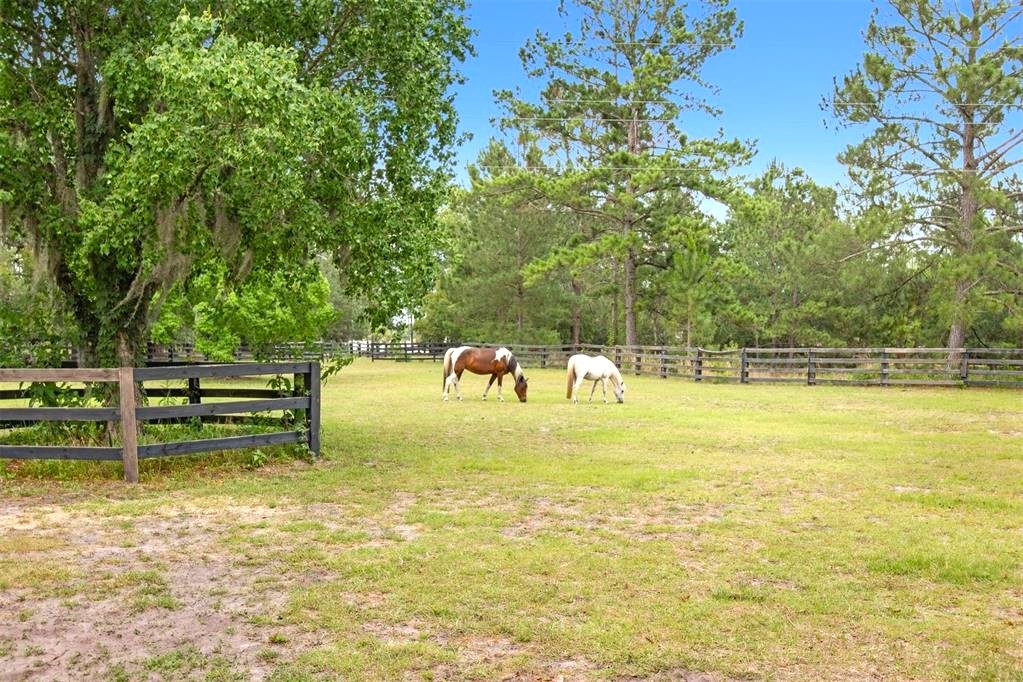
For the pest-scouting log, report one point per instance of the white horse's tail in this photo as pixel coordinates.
(571, 377)
(447, 366)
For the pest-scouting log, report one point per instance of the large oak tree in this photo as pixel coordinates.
(143, 144)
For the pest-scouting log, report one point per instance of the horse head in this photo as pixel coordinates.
(521, 386)
(516, 371)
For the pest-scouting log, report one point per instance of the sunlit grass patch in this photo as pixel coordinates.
(46, 576)
(743, 531)
(20, 543)
(944, 566)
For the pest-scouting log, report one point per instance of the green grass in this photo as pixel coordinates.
(748, 531)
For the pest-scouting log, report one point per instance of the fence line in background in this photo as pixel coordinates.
(300, 407)
(813, 366)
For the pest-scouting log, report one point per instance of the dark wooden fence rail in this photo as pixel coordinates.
(302, 401)
(813, 366)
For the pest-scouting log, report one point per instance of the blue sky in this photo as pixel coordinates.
(771, 84)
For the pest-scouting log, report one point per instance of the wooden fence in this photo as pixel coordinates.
(302, 401)
(813, 366)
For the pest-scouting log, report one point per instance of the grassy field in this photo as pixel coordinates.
(695, 532)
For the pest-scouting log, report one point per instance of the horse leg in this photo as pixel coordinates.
(447, 386)
(592, 390)
(458, 384)
(603, 388)
(500, 381)
(487, 389)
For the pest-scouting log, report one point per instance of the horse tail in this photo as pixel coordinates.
(447, 366)
(571, 377)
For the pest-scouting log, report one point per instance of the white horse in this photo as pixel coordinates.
(593, 368)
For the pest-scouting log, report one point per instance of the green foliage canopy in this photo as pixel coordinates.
(148, 151)
(939, 92)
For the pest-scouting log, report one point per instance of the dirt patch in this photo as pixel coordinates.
(156, 591)
(493, 657)
(909, 489)
(402, 633)
(657, 521)
(675, 676)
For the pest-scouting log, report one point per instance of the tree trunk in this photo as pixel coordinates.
(629, 299)
(689, 324)
(629, 291)
(577, 312)
(614, 307)
(968, 208)
(128, 349)
(957, 333)
(520, 312)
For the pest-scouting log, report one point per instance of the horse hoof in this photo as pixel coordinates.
(484, 398)
(445, 398)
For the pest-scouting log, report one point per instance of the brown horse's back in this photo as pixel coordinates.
(481, 361)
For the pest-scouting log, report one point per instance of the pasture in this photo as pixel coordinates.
(698, 531)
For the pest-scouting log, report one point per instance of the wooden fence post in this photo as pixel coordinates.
(664, 362)
(698, 365)
(313, 413)
(743, 367)
(964, 366)
(884, 367)
(618, 357)
(194, 391)
(811, 370)
(129, 426)
(543, 357)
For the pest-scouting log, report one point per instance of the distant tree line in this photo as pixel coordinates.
(589, 220)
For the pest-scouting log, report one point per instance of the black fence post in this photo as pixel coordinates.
(664, 362)
(884, 367)
(743, 367)
(313, 414)
(698, 365)
(618, 357)
(811, 369)
(964, 366)
(194, 391)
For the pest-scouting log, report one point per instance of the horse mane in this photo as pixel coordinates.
(514, 369)
(616, 374)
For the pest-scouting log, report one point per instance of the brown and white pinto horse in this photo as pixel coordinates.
(496, 363)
